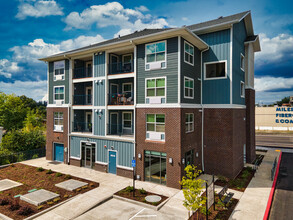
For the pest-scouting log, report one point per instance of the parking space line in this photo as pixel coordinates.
(136, 214)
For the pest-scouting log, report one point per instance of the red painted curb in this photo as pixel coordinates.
(267, 212)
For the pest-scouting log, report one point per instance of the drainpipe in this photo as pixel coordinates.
(202, 112)
(68, 109)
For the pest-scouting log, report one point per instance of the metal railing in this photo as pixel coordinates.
(120, 129)
(120, 67)
(82, 127)
(82, 100)
(82, 72)
(21, 156)
(126, 98)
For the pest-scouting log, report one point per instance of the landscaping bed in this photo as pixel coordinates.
(140, 195)
(34, 178)
(219, 213)
(240, 182)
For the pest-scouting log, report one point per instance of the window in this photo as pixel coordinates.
(127, 88)
(188, 88)
(59, 69)
(59, 93)
(127, 120)
(155, 126)
(155, 164)
(189, 122)
(188, 53)
(215, 70)
(242, 62)
(155, 87)
(242, 89)
(155, 55)
(126, 59)
(58, 121)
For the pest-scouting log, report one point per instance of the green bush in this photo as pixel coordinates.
(245, 174)
(58, 174)
(40, 169)
(49, 171)
(129, 189)
(222, 179)
(35, 156)
(20, 157)
(67, 176)
(142, 191)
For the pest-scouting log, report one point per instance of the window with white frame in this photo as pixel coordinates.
(155, 55)
(155, 126)
(188, 88)
(242, 89)
(59, 70)
(189, 122)
(127, 120)
(242, 62)
(214, 70)
(188, 53)
(155, 87)
(58, 121)
(59, 94)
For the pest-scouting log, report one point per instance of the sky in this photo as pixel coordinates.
(33, 29)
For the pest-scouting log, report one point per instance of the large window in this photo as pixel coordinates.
(155, 87)
(188, 88)
(155, 167)
(155, 53)
(59, 94)
(189, 122)
(59, 70)
(155, 127)
(188, 53)
(127, 120)
(215, 70)
(58, 121)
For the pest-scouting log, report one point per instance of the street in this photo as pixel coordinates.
(285, 141)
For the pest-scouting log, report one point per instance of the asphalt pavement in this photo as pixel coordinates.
(284, 141)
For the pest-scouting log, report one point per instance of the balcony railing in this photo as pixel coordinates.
(120, 129)
(82, 127)
(125, 98)
(120, 67)
(82, 100)
(82, 72)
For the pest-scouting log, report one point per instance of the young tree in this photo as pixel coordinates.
(192, 189)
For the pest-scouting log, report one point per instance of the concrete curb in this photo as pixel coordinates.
(156, 208)
(4, 217)
(267, 212)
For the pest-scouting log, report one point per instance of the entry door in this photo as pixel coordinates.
(112, 162)
(114, 123)
(88, 92)
(59, 152)
(88, 69)
(114, 64)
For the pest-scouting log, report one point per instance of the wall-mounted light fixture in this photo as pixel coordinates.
(96, 110)
(170, 160)
(196, 154)
(96, 54)
(183, 161)
(139, 156)
(96, 81)
(138, 177)
(112, 148)
(100, 53)
(100, 81)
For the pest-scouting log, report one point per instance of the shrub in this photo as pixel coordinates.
(56, 200)
(65, 196)
(35, 156)
(49, 171)
(129, 189)
(222, 179)
(25, 210)
(40, 207)
(58, 174)
(4, 201)
(142, 191)
(50, 203)
(20, 157)
(67, 176)
(40, 169)
(245, 174)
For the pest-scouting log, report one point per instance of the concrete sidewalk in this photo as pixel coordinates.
(253, 202)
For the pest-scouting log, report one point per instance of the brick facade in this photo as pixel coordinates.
(56, 137)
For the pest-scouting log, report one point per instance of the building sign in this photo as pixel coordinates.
(284, 115)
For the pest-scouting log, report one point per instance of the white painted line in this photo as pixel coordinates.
(136, 214)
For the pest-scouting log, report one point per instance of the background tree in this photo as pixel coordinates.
(192, 189)
(284, 100)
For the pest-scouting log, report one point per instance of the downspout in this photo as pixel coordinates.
(202, 112)
(68, 112)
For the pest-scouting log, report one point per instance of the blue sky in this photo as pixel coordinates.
(31, 29)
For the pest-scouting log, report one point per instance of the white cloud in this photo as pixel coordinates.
(7, 68)
(41, 8)
(114, 14)
(80, 41)
(33, 89)
(274, 50)
(142, 8)
(185, 19)
(273, 83)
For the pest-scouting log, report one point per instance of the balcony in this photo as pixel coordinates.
(82, 127)
(82, 100)
(82, 72)
(125, 98)
(121, 67)
(125, 130)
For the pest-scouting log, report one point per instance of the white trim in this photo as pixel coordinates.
(188, 97)
(76, 158)
(120, 107)
(242, 91)
(179, 69)
(189, 113)
(127, 83)
(213, 62)
(100, 162)
(106, 137)
(120, 76)
(130, 120)
(155, 124)
(242, 56)
(88, 79)
(231, 66)
(162, 61)
(116, 159)
(80, 150)
(58, 118)
(82, 107)
(124, 167)
(224, 106)
(63, 100)
(57, 106)
(62, 75)
(192, 64)
(106, 93)
(186, 105)
(124, 55)
(155, 78)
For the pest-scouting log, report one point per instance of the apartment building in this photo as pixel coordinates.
(166, 97)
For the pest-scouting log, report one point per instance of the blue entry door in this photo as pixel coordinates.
(112, 162)
(59, 152)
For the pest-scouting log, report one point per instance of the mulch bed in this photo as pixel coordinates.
(140, 197)
(33, 179)
(219, 213)
(240, 182)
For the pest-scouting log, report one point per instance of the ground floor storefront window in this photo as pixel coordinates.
(155, 167)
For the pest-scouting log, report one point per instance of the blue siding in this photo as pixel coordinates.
(125, 149)
(239, 36)
(99, 123)
(217, 91)
(99, 96)
(99, 64)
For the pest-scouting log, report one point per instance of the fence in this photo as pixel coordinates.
(21, 156)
